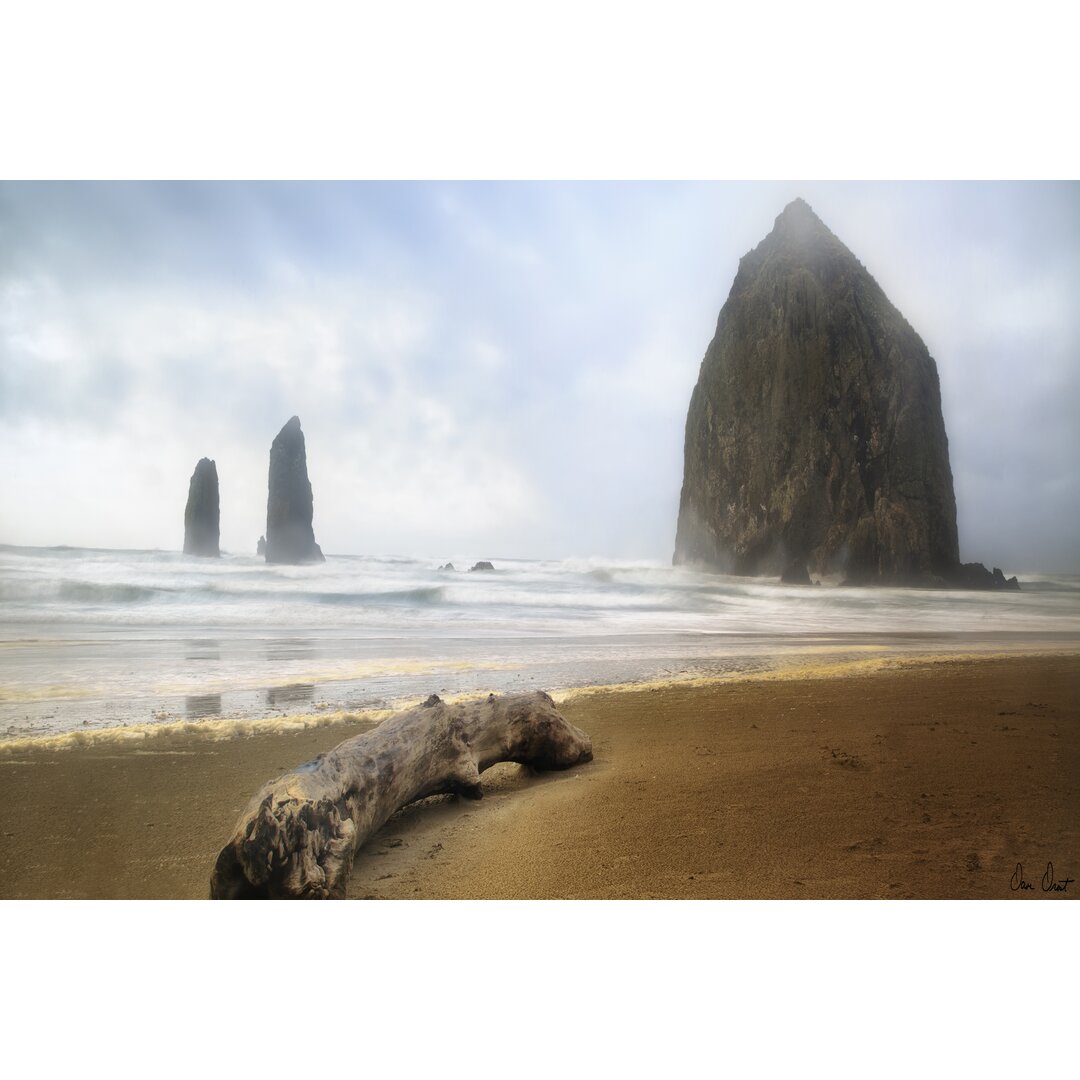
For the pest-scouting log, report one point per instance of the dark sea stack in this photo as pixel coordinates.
(975, 576)
(260, 547)
(202, 515)
(482, 565)
(815, 435)
(289, 506)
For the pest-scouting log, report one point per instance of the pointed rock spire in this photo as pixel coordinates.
(202, 514)
(815, 433)
(289, 506)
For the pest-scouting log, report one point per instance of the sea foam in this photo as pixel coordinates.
(111, 640)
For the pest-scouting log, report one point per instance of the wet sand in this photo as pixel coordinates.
(903, 780)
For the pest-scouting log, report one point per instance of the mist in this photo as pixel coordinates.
(489, 369)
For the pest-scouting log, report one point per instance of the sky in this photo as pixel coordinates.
(489, 369)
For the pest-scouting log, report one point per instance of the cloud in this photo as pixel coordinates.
(487, 368)
(400, 449)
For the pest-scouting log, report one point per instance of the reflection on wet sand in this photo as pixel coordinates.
(203, 650)
(197, 706)
(288, 649)
(293, 694)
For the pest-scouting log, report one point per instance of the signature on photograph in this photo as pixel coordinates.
(1049, 883)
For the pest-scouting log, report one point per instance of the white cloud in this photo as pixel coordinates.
(486, 368)
(654, 377)
(394, 460)
(483, 238)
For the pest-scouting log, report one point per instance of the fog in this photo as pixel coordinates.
(489, 369)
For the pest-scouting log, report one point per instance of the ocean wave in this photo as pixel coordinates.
(93, 592)
(14, 591)
(427, 594)
(49, 591)
(421, 595)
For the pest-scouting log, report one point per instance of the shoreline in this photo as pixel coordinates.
(909, 776)
(785, 667)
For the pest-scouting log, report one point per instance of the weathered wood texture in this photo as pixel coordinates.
(299, 835)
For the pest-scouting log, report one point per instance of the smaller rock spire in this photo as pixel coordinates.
(202, 515)
(289, 506)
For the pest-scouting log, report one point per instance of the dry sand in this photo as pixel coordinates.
(923, 779)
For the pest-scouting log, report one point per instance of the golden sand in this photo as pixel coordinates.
(876, 778)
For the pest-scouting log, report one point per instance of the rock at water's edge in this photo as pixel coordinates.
(202, 514)
(974, 575)
(482, 565)
(289, 506)
(815, 434)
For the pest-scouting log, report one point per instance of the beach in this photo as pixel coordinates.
(907, 777)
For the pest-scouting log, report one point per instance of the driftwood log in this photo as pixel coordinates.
(299, 834)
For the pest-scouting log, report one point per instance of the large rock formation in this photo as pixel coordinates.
(202, 515)
(289, 506)
(815, 433)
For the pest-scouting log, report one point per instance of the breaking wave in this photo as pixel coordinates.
(92, 638)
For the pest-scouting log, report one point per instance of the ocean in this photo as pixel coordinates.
(95, 640)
